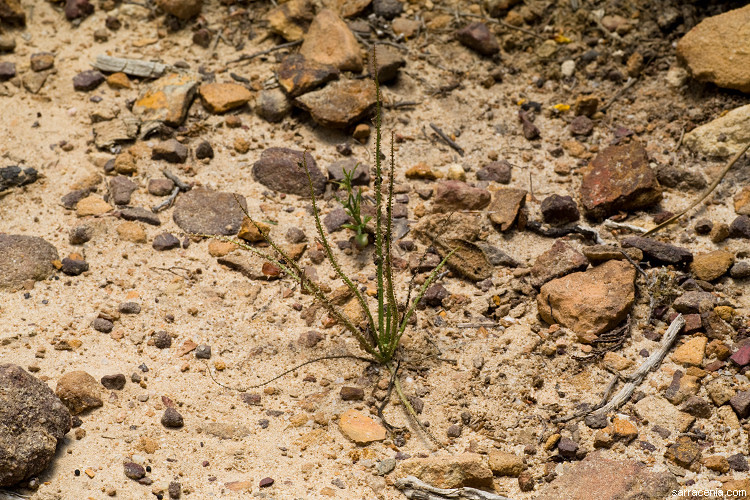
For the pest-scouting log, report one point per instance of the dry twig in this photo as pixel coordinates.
(419, 490)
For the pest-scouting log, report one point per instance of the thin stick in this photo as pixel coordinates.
(247, 57)
(414, 488)
(610, 224)
(631, 81)
(184, 186)
(705, 194)
(635, 379)
(168, 202)
(447, 139)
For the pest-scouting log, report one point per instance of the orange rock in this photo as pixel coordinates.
(221, 97)
(118, 81)
(360, 428)
(167, 99)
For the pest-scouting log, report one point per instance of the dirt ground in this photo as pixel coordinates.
(505, 377)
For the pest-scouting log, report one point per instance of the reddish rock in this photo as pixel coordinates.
(478, 37)
(589, 302)
(297, 75)
(221, 97)
(596, 478)
(506, 203)
(556, 262)
(619, 178)
(742, 356)
(330, 41)
(457, 195)
(340, 104)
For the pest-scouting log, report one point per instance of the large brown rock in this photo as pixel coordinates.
(204, 211)
(184, 9)
(279, 169)
(596, 478)
(340, 104)
(79, 391)
(619, 179)
(298, 75)
(589, 302)
(24, 258)
(32, 420)
(452, 471)
(330, 41)
(716, 50)
(167, 99)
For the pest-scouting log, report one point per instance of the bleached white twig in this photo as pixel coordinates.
(419, 490)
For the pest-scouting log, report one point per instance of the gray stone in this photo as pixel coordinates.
(279, 169)
(32, 420)
(360, 177)
(272, 105)
(24, 259)
(165, 241)
(118, 131)
(203, 211)
(121, 188)
(172, 151)
(140, 214)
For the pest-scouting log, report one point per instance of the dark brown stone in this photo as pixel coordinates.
(280, 169)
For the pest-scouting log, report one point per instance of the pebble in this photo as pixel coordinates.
(204, 211)
(619, 178)
(278, 169)
(561, 259)
(134, 471)
(740, 403)
(172, 418)
(114, 382)
(109, 133)
(741, 270)
(712, 265)
(7, 70)
(581, 125)
(167, 99)
(478, 37)
(360, 428)
(297, 75)
(129, 308)
(102, 325)
(684, 452)
(79, 235)
(348, 393)
(558, 210)
(386, 466)
(203, 351)
(74, 266)
(506, 464)
(389, 61)
(330, 41)
(121, 189)
(87, 81)
(434, 295)
(172, 151)
(266, 482)
(738, 462)
(659, 253)
(222, 97)
(658, 411)
(204, 150)
(272, 105)
(160, 187)
(79, 391)
(496, 171)
(506, 203)
(165, 241)
(740, 227)
(7, 43)
(140, 214)
(387, 9)
(175, 489)
(92, 205)
(568, 68)
(118, 81)
(339, 104)
(42, 61)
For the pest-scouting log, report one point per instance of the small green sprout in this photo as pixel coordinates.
(352, 207)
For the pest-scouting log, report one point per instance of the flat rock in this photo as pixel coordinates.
(330, 41)
(24, 259)
(272, 105)
(740, 227)
(716, 50)
(121, 189)
(503, 463)
(32, 420)
(79, 391)
(619, 178)
(389, 60)
(297, 75)
(7, 70)
(656, 410)
(167, 99)
(597, 478)
(183, 9)
(87, 81)
(723, 136)
(140, 214)
(690, 302)
(117, 131)
(33, 82)
(589, 302)
(171, 150)
(359, 170)
(558, 210)
(339, 104)
(455, 471)
(602, 253)
(685, 453)
(360, 428)
(221, 97)
(203, 211)
(712, 265)
(477, 36)
(506, 202)
(15, 176)
(496, 171)
(457, 195)
(559, 260)
(740, 403)
(690, 352)
(291, 19)
(278, 169)
(659, 253)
